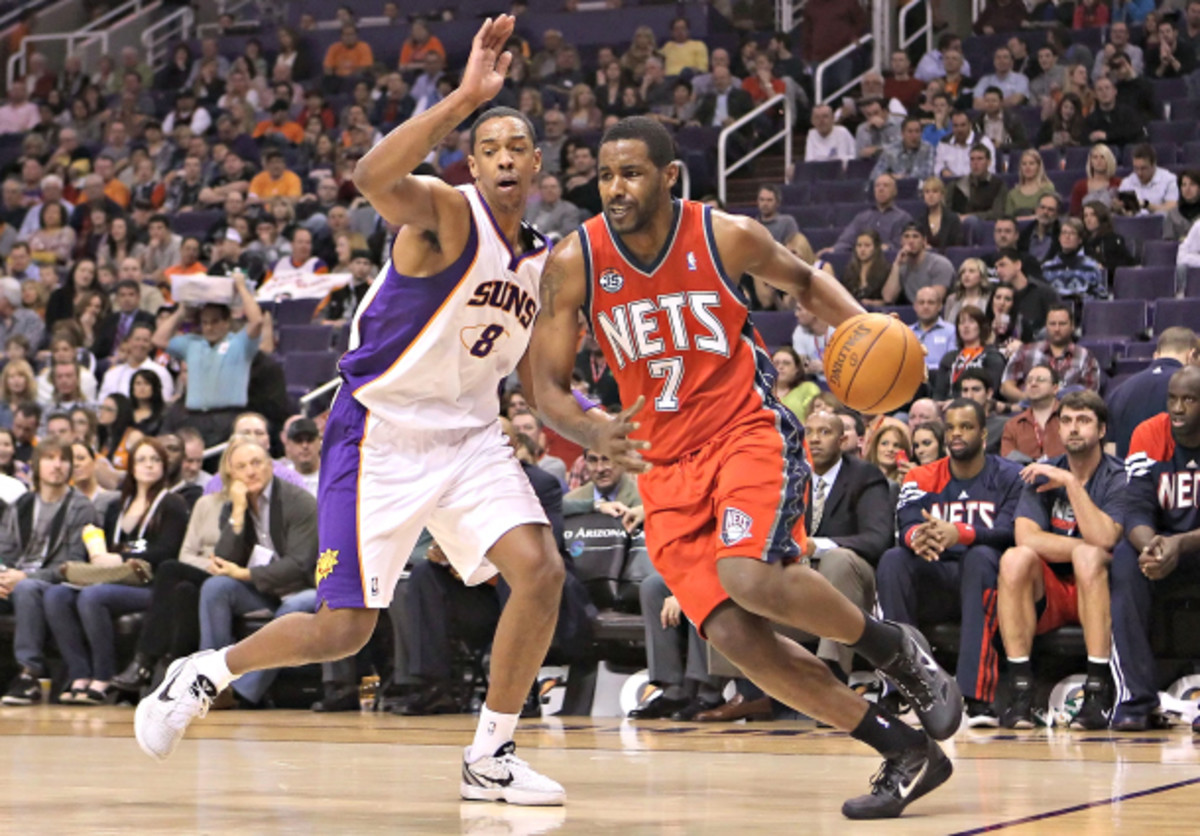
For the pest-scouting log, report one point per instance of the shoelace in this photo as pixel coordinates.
(914, 687)
(195, 691)
(884, 779)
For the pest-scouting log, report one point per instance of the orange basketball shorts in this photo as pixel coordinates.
(1061, 604)
(742, 494)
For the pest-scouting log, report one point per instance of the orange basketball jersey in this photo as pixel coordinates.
(678, 332)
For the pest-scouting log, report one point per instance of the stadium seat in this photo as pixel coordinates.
(1116, 319)
(810, 217)
(821, 171)
(983, 234)
(1182, 110)
(836, 263)
(1076, 158)
(1192, 286)
(1141, 350)
(1190, 155)
(796, 194)
(306, 370)
(1176, 132)
(1171, 312)
(1138, 228)
(1130, 365)
(859, 170)
(304, 338)
(1159, 253)
(1147, 283)
(958, 255)
(1051, 159)
(906, 313)
(195, 224)
(842, 191)
(1064, 181)
(1103, 350)
(822, 238)
(295, 311)
(775, 327)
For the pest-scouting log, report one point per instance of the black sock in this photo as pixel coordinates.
(836, 670)
(880, 642)
(1020, 670)
(886, 734)
(1098, 670)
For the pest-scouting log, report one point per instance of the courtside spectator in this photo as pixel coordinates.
(1075, 365)
(1033, 432)
(886, 219)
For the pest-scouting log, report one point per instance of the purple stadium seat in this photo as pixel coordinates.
(983, 234)
(844, 213)
(906, 313)
(197, 223)
(1190, 155)
(1141, 350)
(796, 194)
(1076, 158)
(1064, 181)
(1183, 110)
(1147, 283)
(958, 255)
(306, 370)
(908, 188)
(1171, 312)
(914, 206)
(1170, 88)
(1121, 319)
(295, 311)
(304, 338)
(841, 191)
(1159, 253)
(775, 327)
(1138, 228)
(1176, 132)
(1103, 351)
(810, 217)
(1130, 365)
(820, 170)
(1051, 159)
(822, 238)
(341, 338)
(836, 263)
(859, 170)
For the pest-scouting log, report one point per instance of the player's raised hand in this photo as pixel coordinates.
(613, 440)
(488, 64)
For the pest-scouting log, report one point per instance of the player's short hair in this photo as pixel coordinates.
(501, 113)
(1089, 400)
(860, 426)
(1177, 338)
(967, 403)
(976, 374)
(658, 139)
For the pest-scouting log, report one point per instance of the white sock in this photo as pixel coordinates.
(213, 666)
(1098, 660)
(493, 731)
(1018, 659)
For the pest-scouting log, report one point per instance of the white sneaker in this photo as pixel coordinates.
(164, 715)
(505, 777)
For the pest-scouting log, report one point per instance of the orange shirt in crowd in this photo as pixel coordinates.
(410, 54)
(343, 61)
(264, 187)
(290, 131)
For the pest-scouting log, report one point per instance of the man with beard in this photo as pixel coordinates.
(955, 518)
(1068, 523)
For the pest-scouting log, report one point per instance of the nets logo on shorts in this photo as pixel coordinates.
(735, 526)
(611, 280)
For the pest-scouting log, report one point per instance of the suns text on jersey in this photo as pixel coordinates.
(969, 512)
(505, 296)
(633, 329)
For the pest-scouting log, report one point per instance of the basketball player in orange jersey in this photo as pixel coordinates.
(724, 478)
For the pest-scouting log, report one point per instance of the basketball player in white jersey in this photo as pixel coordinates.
(413, 439)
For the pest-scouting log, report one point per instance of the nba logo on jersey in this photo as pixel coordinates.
(612, 281)
(735, 526)
(374, 586)
(691, 261)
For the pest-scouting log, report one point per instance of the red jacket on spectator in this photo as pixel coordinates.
(1002, 16)
(1087, 19)
(758, 95)
(830, 25)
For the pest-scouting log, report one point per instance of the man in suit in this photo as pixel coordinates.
(115, 328)
(725, 105)
(609, 489)
(265, 558)
(850, 524)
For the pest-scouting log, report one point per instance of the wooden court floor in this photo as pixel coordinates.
(78, 771)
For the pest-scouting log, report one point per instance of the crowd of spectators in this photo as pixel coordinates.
(126, 178)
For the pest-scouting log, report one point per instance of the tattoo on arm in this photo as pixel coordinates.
(553, 279)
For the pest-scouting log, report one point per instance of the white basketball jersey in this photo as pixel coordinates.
(430, 353)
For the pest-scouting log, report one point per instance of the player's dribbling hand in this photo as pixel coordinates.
(487, 65)
(614, 441)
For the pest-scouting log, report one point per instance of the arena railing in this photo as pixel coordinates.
(95, 34)
(916, 22)
(725, 168)
(174, 28)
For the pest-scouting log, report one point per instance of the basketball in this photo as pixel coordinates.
(874, 363)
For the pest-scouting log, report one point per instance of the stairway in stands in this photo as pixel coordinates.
(742, 190)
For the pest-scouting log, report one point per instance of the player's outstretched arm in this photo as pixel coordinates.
(384, 174)
(552, 358)
(746, 246)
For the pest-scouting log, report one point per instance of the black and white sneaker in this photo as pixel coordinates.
(24, 690)
(1096, 711)
(1018, 714)
(901, 781)
(980, 715)
(932, 692)
(505, 777)
(163, 716)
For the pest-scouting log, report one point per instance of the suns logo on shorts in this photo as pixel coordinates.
(325, 564)
(735, 526)
(611, 280)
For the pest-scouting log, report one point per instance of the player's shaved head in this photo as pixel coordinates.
(1183, 405)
